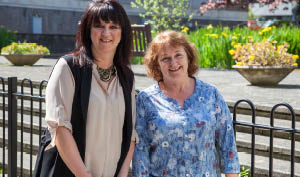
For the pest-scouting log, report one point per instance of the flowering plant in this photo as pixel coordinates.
(25, 48)
(263, 54)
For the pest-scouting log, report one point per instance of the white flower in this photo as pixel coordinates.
(165, 144)
(207, 174)
(201, 98)
(192, 136)
(228, 127)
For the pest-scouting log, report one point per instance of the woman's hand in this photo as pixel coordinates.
(125, 167)
(231, 174)
(84, 174)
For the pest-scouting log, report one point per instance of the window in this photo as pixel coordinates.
(37, 25)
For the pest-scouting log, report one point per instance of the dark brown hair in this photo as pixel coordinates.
(106, 10)
(173, 39)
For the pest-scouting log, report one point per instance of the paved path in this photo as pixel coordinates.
(230, 83)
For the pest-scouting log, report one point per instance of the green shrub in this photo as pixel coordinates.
(25, 48)
(6, 36)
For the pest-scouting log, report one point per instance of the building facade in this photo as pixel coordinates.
(54, 22)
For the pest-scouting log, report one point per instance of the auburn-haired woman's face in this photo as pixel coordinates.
(173, 63)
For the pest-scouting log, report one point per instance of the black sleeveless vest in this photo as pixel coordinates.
(49, 163)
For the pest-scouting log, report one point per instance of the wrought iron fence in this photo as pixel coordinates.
(271, 128)
(15, 104)
(11, 125)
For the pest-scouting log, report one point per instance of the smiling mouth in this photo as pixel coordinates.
(105, 41)
(175, 69)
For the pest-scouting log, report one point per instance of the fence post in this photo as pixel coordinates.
(12, 127)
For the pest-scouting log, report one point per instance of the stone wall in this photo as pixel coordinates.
(53, 21)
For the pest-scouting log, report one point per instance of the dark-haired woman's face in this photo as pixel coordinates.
(105, 36)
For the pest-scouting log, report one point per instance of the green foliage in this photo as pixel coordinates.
(250, 14)
(245, 172)
(214, 43)
(165, 14)
(25, 48)
(6, 36)
(137, 60)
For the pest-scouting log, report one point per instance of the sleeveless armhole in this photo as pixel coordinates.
(59, 97)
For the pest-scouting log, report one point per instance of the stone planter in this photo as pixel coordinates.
(22, 59)
(264, 75)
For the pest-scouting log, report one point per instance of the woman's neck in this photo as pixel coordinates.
(103, 60)
(177, 87)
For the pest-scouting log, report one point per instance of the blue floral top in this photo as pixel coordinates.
(183, 142)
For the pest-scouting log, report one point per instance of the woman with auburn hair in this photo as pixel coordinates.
(90, 100)
(184, 125)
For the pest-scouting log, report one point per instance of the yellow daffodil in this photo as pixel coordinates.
(251, 57)
(250, 37)
(237, 46)
(233, 43)
(260, 33)
(295, 57)
(295, 64)
(239, 63)
(214, 35)
(231, 52)
(209, 26)
(234, 37)
(224, 34)
(185, 29)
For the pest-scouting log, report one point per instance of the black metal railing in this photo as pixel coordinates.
(271, 128)
(15, 105)
(3, 93)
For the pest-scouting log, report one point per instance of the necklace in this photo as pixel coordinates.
(106, 74)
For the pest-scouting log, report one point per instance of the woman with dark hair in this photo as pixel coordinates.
(90, 102)
(184, 125)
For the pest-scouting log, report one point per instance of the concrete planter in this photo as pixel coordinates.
(22, 59)
(264, 75)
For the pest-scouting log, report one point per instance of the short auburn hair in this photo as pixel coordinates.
(174, 39)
